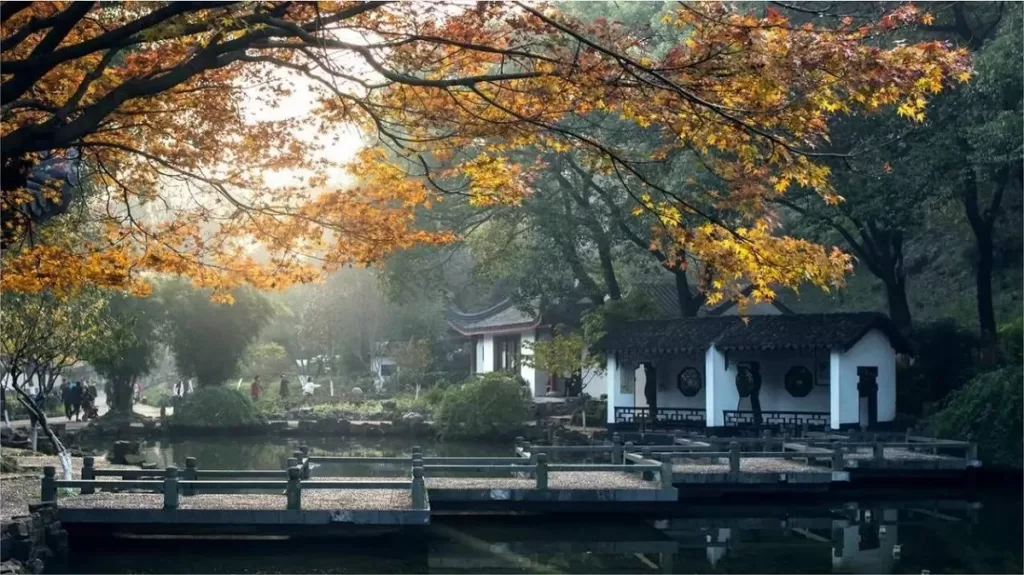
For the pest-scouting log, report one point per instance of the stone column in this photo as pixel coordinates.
(611, 386)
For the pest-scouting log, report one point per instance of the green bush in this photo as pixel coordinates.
(1011, 341)
(493, 405)
(216, 406)
(988, 411)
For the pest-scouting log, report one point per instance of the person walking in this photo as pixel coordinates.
(3, 404)
(255, 390)
(65, 397)
(284, 387)
(76, 399)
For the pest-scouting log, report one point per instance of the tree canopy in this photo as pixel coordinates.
(156, 102)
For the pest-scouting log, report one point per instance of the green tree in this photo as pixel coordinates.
(128, 347)
(209, 338)
(265, 359)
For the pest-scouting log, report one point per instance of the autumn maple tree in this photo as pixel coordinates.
(177, 114)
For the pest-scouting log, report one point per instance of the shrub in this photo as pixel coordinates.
(1011, 341)
(988, 411)
(216, 406)
(492, 405)
(943, 362)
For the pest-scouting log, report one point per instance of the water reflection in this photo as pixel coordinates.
(889, 537)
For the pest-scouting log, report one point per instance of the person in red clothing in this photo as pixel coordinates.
(256, 389)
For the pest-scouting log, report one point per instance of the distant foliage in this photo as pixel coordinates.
(215, 406)
(491, 405)
(987, 410)
(944, 362)
(268, 360)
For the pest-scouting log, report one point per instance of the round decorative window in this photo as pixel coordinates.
(799, 381)
(689, 381)
(744, 380)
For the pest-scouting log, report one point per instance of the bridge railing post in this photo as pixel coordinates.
(291, 462)
(49, 490)
(419, 488)
(88, 472)
(191, 473)
(519, 441)
(293, 491)
(542, 471)
(666, 473)
(302, 462)
(171, 488)
(838, 461)
(972, 452)
(645, 452)
(620, 457)
(616, 449)
(734, 457)
(879, 451)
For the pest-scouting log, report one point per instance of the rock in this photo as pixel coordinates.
(413, 416)
(356, 393)
(123, 449)
(134, 459)
(149, 465)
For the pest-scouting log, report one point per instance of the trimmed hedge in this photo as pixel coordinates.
(492, 406)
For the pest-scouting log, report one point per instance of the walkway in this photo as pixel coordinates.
(101, 407)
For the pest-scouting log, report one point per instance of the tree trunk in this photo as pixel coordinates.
(899, 307)
(986, 310)
(121, 402)
(604, 252)
(982, 223)
(689, 304)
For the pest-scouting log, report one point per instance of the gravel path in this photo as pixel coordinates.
(897, 453)
(749, 465)
(330, 499)
(16, 492)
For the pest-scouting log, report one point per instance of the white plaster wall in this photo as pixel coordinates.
(835, 391)
(485, 361)
(611, 386)
(774, 396)
(668, 372)
(872, 350)
(527, 372)
(616, 374)
(720, 393)
(478, 350)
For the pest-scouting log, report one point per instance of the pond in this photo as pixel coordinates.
(893, 537)
(897, 535)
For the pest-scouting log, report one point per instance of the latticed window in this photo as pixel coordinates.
(506, 353)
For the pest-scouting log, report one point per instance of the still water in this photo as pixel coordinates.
(894, 535)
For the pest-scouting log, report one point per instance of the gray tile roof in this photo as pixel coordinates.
(757, 332)
(503, 316)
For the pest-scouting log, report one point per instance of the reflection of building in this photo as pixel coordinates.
(866, 544)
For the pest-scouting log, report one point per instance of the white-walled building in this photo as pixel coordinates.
(824, 370)
(499, 338)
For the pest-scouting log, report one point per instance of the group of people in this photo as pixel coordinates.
(79, 400)
(256, 389)
(183, 388)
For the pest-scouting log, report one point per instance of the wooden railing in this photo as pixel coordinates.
(734, 455)
(617, 450)
(667, 416)
(779, 419)
(293, 480)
